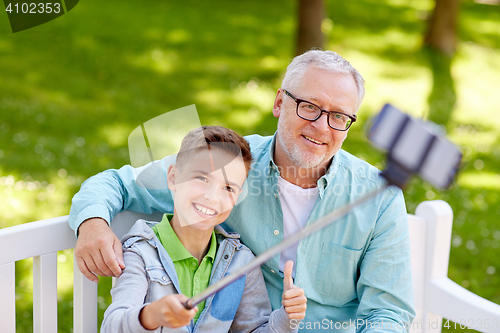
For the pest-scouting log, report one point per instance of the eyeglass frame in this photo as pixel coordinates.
(298, 101)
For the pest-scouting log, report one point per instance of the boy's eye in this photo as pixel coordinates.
(203, 179)
(230, 189)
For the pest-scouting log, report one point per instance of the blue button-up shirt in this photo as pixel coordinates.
(356, 273)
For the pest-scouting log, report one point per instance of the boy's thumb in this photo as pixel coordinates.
(287, 279)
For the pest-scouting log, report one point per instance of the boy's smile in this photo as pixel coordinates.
(205, 211)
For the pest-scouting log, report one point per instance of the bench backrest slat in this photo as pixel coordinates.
(84, 303)
(8, 303)
(35, 238)
(45, 293)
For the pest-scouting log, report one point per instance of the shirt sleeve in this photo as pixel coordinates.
(122, 316)
(385, 287)
(104, 195)
(254, 311)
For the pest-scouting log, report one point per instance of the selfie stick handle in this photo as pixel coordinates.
(278, 248)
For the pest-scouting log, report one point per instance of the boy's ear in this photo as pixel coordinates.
(171, 174)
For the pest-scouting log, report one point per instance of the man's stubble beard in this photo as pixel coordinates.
(300, 159)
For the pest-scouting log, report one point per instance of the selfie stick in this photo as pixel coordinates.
(278, 248)
(413, 148)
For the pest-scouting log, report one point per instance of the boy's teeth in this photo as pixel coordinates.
(205, 210)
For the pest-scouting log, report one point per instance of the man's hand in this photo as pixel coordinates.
(168, 311)
(294, 299)
(98, 251)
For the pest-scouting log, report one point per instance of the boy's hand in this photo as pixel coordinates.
(168, 311)
(294, 300)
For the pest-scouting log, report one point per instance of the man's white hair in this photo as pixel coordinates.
(327, 60)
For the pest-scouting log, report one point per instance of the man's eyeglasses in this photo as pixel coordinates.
(337, 120)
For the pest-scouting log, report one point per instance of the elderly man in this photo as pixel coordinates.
(356, 272)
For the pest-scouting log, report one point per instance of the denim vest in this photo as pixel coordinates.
(222, 309)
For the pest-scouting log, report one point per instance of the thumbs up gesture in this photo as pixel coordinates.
(294, 301)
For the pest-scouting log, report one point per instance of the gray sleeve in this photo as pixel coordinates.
(128, 295)
(254, 312)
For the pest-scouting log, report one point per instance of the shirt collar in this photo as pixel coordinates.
(173, 245)
(271, 164)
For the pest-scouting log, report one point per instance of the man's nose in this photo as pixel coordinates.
(321, 124)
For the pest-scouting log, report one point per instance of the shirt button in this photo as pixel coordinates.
(276, 232)
(164, 278)
(276, 196)
(193, 264)
(226, 256)
(272, 271)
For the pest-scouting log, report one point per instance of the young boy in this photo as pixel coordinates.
(179, 257)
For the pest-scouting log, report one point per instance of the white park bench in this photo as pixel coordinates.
(436, 296)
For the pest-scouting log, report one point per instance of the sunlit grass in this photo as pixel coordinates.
(485, 180)
(477, 74)
(22, 196)
(403, 84)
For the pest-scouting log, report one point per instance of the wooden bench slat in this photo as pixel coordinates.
(8, 304)
(45, 293)
(43, 237)
(84, 303)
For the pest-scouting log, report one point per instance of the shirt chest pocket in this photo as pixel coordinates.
(337, 274)
(160, 284)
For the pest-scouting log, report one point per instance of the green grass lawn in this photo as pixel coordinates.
(72, 90)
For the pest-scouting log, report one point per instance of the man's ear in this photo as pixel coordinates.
(171, 174)
(278, 102)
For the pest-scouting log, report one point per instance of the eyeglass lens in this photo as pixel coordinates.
(335, 120)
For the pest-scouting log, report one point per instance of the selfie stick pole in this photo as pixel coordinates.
(278, 248)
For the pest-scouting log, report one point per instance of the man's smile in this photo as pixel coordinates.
(308, 138)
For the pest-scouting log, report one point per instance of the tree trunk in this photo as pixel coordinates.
(443, 96)
(442, 27)
(309, 34)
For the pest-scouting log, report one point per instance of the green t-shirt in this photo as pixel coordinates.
(193, 278)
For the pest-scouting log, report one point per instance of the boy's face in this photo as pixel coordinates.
(203, 197)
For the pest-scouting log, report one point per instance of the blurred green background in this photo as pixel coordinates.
(72, 90)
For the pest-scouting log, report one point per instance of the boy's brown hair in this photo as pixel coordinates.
(218, 137)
